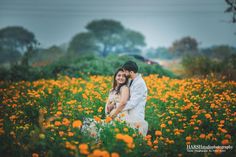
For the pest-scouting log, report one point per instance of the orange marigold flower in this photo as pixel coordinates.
(84, 96)
(202, 136)
(77, 123)
(218, 151)
(119, 136)
(57, 123)
(70, 134)
(83, 146)
(61, 133)
(97, 152)
(108, 119)
(35, 155)
(97, 118)
(222, 122)
(128, 139)
(223, 130)
(158, 133)
(65, 122)
(208, 116)
(188, 138)
(225, 142)
(228, 136)
(115, 154)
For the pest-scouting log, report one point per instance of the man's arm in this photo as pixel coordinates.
(136, 96)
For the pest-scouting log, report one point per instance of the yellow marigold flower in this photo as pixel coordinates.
(126, 129)
(163, 125)
(77, 123)
(58, 113)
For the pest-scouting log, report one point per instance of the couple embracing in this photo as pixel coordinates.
(127, 98)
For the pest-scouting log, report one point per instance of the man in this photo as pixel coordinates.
(138, 95)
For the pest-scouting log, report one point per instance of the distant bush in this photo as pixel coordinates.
(79, 67)
(202, 65)
(92, 65)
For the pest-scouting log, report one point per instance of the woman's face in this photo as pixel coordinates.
(120, 77)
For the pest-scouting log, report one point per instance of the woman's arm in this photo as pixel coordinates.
(106, 112)
(123, 99)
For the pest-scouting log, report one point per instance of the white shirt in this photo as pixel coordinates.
(136, 104)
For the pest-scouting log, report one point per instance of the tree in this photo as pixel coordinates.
(220, 52)
(186, 45)
(107, 33)
(18, 40)
(9, 56)
(82, 43)
(112, 37)
(132, 41)
(47, 56)
(231, 9)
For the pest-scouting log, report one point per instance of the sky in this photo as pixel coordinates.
(55, 22)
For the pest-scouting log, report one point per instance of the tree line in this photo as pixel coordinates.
(101, 38)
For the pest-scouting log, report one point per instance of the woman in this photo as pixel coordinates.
(118, 96)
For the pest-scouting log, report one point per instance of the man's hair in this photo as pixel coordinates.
(130, 66)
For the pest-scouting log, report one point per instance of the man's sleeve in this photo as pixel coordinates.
(137, 95)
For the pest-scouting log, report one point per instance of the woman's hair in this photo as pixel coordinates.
(115, 83)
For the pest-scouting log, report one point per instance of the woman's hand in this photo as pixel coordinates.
(113, 114)
(110, 107)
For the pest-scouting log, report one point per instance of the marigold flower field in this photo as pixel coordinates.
(45, 118)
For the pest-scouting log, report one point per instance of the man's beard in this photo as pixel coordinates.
(129, 76)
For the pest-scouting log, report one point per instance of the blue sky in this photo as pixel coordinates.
(160, 21)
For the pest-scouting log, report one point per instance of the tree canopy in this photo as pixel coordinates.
(107, 36)
(185, 45)
(14, 41)
(82, 43)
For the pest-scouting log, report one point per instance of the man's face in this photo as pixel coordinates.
(127, 73)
